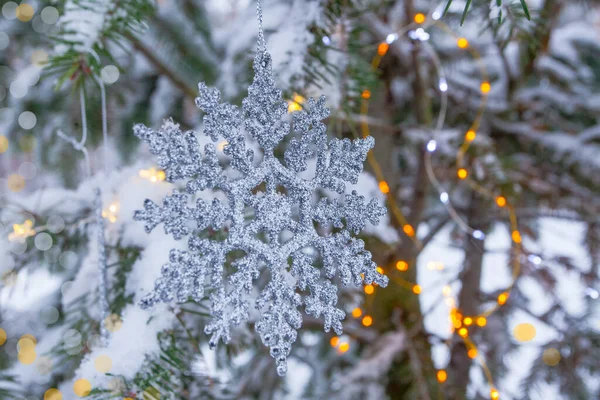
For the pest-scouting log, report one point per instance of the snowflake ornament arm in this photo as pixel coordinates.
(267, 223)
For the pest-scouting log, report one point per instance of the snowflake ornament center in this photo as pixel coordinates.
(275, 244)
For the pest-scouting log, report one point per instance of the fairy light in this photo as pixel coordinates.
(366, 94)
(326, 40)
(472, 353)
(444, 197)
(409, 230)
(402, 266)
(420, 18)
(441, 376)
(494, 394)
(419, 34)
(537, 260)
(110, 213)
(479, 235)
(462, 43)
(500, 201)
(344, 347)
(22, 231)
(463, 332)
(516, 237)
(485, 87)
(416, 289)
(334, 341)
(367, 320)
(295, 104)
(502, 298)
(380, 270)
(431, 146)
(446, 290)
(468, 321)
(443, 85)
(391, 38)
(462, 173)
(470, 135)
(383, 48)
(369, 289)
(153, 174)
(481, 321)
(384, 187)
(357, 312)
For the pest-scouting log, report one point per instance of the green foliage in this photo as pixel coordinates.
(77, 60)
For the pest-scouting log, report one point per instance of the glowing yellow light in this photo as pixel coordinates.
(15, 182)
(463, 332)
(2, 336)
(152, 174)
(103, 364)
(456, 322)
(409, 230)
(516, 237)
(502, 297)
(367, 320)
(402, 265)
(472, 353)
(435, 265)
(296, 102)
(366, 94)
(344, 347)
(24, 12)
(383, 186)
(293, 106)
(53, 394)
(416, 289)
(383, 48)
(494, 394)
(22, 231)
(27, 356)
(111, 212)
(25, 344)
(447, 290)
(551, 357)
(82, 387)
(380, 270)
(468, 321)
(369, 289)
(481, 321)
(357, 312)
(3, 144)
(462, 43)
(419, 18)
(470, 136)
(524, 332)
(500, 201)
(442, 375)
(334, 341)
(462, 173)
(485, 87)
(113, 323)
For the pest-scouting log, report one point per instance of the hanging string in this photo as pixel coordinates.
(80, 145)
(262, 46)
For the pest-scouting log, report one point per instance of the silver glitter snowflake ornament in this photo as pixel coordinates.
(269, 237)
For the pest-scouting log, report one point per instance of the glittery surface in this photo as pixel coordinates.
(102, 287)
(269, 224)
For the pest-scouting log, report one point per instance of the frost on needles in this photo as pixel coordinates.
(270, 220)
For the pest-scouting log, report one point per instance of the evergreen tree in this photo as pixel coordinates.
(486, 119)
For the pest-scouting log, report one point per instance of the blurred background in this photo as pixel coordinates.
(486, 116)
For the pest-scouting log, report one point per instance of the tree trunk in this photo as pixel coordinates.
(468, 299)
